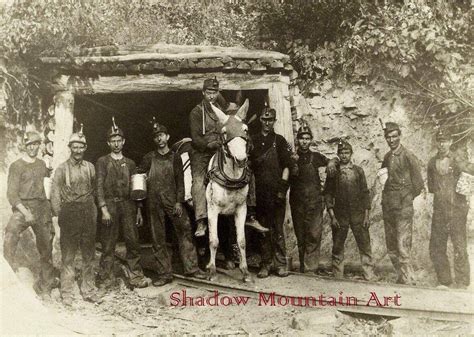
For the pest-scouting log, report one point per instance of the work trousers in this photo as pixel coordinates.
(271, 214)
(397, 207)
(362, 237)
(307, 218)
(199, 165)
(44, 233)
(123, 214)
(77, 222)
(157, 212)
(450, 223)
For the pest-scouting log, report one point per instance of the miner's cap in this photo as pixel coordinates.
(31, 137)
(211, 84)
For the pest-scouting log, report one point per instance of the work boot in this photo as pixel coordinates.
(201, 228)
(229, 265)
(281, 272)
(139, 282)
(67, 301)
(162, 281)
(92, 298)
(252, 222)
(199, 274)
(264, 271)
(46, 297)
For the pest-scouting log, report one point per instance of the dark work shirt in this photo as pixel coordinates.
(113, 178)
(443, 175)
(72, 182)
(204, 125)
(262, 144)
(347, 191)
(169, 182)
(403, 171)
(25, 181)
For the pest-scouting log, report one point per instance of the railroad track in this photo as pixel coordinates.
(423, 302)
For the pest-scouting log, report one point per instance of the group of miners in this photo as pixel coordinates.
(79, 189)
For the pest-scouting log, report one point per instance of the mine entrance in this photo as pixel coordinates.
(133, 113)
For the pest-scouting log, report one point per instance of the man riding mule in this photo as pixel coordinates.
(229, 175)
(205, 130)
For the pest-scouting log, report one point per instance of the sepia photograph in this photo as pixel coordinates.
(236, 167)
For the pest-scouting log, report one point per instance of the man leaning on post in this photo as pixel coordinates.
(72, 199)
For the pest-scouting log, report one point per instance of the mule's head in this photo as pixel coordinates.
(234, 133)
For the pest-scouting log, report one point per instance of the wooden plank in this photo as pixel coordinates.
(180, 82)
(240, 54)
(64, 116)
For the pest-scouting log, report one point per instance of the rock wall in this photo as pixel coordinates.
(353, 111)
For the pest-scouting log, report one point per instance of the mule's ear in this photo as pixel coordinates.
(221, 115)
(242, 112)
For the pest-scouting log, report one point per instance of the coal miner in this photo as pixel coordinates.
(205, 133)
(118, 211)
(206, 140)
(26, 195)
(450, 211)
(403, 184)
(271, 160)
(72, 199)
(165, 188)
(307, 200)
(348, 204)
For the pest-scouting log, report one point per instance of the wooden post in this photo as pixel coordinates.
(278, 99)
(64, 115)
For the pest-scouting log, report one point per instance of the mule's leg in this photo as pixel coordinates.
(212, 216)
(239, 217)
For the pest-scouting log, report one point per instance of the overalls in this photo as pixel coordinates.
(160, 202)
(307, 213)
(450, 211)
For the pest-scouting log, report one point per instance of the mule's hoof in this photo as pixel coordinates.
(212, 277)
(229, 265)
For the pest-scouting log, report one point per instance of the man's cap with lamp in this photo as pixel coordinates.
(442, 135)
(31, 137)
(78, 137)
(211, 84)
(343, 145)
(268, 113)
(157, 127)
(114, 130)
(304, 130)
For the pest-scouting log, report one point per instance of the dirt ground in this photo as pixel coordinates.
(149, 311)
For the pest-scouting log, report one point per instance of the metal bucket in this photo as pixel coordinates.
(138, 186)
(382, 176)
(465, 184)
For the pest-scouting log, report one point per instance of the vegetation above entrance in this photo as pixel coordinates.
(420, 48)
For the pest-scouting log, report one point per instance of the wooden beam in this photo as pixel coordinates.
(180, 82)
(149, 56)
(64, 116)
(278, 98)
